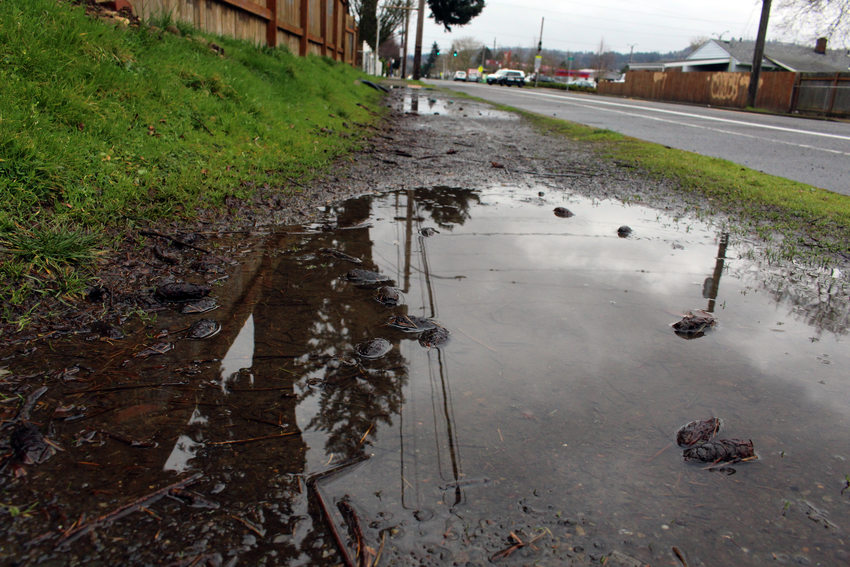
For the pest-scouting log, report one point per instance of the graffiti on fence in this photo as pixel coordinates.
(727, 87)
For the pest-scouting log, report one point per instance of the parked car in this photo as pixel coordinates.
(493, 78)
(584, 83)
(542, 79)
(460, 76)
(512, 78)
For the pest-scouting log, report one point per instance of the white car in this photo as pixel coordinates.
(460, 76)
(493, 78)
(586, 83)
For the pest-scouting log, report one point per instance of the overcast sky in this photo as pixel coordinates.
(579, 25)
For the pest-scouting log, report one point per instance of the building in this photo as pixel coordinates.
(737, 56)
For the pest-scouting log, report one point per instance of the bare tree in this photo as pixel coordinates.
(366, 12)
(817, 18)
(468, 53)
(696, 43)
(604, 59)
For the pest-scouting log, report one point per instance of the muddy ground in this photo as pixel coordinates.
(51, 519)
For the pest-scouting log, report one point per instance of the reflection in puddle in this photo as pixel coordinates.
(426, 104)
(548, 416)
(555, 404)
(239, 355)
(184, 451)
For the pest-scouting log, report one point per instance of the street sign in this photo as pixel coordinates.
(538, 59)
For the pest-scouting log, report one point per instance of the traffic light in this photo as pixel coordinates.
(454, 53)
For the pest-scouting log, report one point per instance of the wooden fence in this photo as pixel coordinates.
(716, 89)
(827, 94)
(318, 27)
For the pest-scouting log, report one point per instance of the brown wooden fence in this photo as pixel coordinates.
(716, 89)
(319, 27)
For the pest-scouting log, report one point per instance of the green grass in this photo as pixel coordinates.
(102, 126)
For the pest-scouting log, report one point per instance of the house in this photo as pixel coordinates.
(732, 56)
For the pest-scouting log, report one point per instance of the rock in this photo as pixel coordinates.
(697, 432)
(181, 292)
(373, 348)
(721, 451)
(619, 559)
(435, 337)
(694, 322)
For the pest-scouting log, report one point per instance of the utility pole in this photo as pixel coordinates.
(538, 58)
(377, 35)
(406, 33)
(417, 52)
(631, 51)
(758, 54)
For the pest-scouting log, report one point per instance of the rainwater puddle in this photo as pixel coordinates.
(543, 430)
(427, 104)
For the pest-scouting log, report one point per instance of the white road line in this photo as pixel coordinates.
(730, 132)
(570, 100)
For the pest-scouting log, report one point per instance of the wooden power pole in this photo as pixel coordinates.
(417, 52)
(758, 54)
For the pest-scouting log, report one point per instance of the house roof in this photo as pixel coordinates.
(788, 56)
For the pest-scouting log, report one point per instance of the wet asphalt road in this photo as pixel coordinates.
(816, 152)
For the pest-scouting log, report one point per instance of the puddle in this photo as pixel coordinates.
(426, 104)
(550, 413)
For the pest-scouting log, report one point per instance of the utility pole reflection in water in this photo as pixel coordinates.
(712, 284)
(441, 396)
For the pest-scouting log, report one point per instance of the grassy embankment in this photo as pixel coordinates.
(808, 223)
(103, 127)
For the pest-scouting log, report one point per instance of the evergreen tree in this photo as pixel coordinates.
(432, 59)
(454, 12)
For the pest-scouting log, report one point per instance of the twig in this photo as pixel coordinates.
(147, 232)
(380, 549)
(252, 439)
(249, 525)
(485, 345)
(128, 387)
(353, 523)
(680, 556)
(366, 434)
(294, 182)
(312, 486)
(83, 528)
(340, 545)
(518, 545)
(667, 446)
